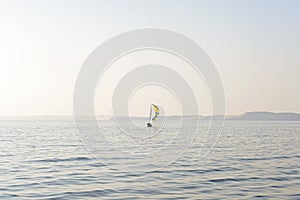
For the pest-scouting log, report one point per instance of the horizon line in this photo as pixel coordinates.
(70, 115)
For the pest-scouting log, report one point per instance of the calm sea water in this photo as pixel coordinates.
(45, 159)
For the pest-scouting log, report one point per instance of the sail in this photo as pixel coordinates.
(156, 112)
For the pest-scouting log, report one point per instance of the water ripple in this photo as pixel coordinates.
(45, 160)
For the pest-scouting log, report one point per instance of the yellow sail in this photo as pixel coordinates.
(156, 112)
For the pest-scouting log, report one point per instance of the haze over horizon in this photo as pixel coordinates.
(146, 116)
(254, 45)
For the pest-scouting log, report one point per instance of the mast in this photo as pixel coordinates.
(150, 113)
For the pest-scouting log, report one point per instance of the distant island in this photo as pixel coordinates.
(255, 116)
(268, 116)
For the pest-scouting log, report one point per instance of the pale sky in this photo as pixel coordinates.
(253, 43)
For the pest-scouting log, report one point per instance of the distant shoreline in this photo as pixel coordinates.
(249, 116)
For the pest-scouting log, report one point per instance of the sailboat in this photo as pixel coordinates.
(156, 114)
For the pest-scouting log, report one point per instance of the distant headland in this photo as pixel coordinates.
(268, 116)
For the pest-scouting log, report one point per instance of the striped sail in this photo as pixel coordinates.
(156, 112)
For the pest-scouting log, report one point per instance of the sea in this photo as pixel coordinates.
(51, 158)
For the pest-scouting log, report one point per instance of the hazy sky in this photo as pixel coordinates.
(254, 44)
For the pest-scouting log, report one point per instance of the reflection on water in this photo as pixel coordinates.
(43, 159)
